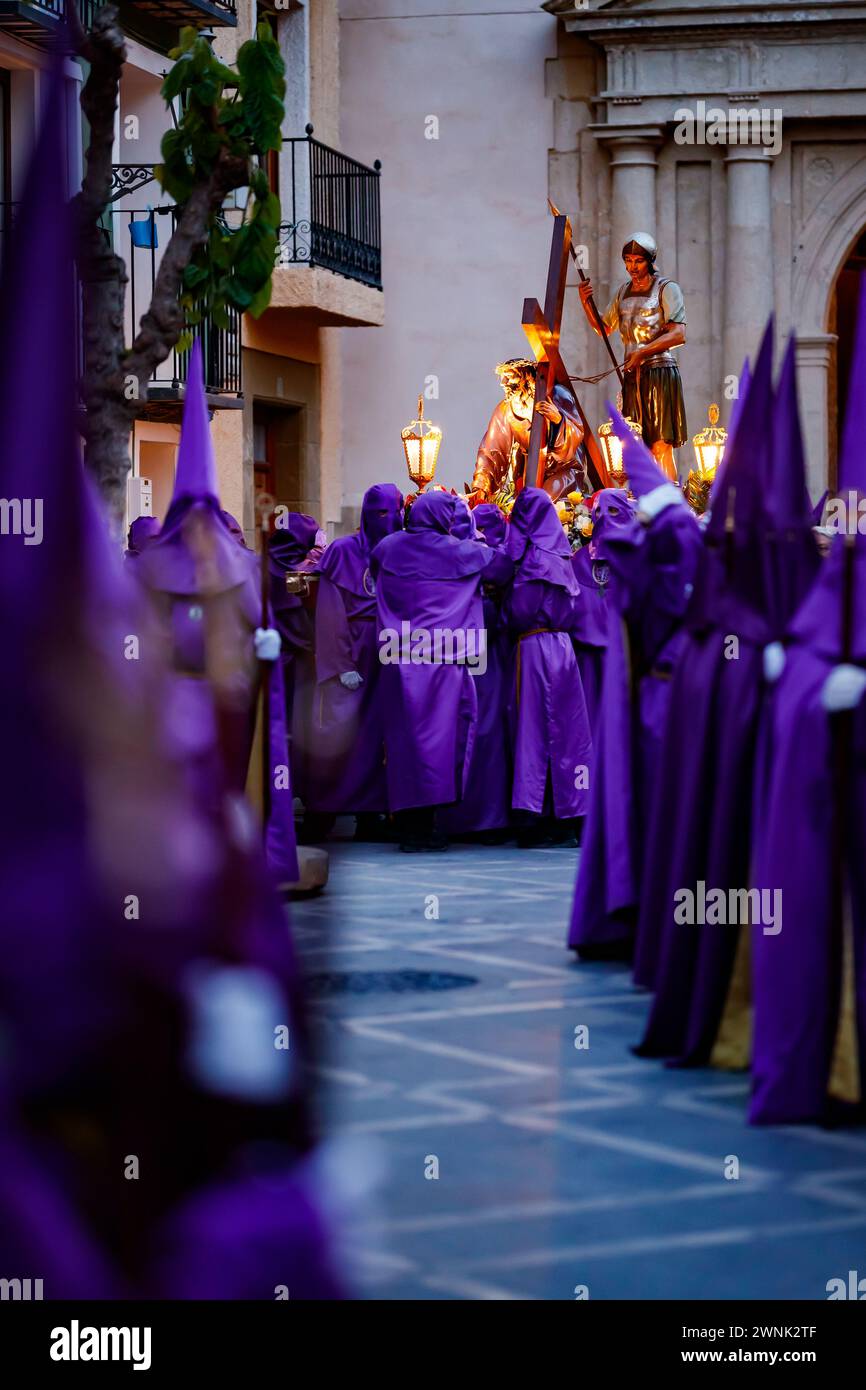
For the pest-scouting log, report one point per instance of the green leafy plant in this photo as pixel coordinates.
(230, 119)
(230, 115)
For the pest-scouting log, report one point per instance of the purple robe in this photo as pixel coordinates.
(293, 549)
(141, 532)
(652, 569)
(705, 801)
(612, 508)
(430, 619)
(346, 756)
(94, 1006)
(205, 590)
(486, 803)
(551, 738)
(809, 841)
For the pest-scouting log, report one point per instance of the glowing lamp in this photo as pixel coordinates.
(421, 441)
(709, 444)
(612, 446)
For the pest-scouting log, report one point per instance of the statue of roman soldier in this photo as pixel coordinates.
(502, 453)
(649, 313)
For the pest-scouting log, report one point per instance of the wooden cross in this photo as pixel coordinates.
(542, 328)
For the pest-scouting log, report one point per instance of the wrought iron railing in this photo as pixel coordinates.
(53, 11)
(140, 236)
(335, 217)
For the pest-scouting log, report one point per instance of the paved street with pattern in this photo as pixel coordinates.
(454, 1038)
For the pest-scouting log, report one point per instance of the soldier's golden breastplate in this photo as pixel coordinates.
(641, 319)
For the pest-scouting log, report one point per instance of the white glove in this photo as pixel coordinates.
(843, 688)
(235, 1011)
(653, 503)
(775, 657)
(267, 643)
(351, 680)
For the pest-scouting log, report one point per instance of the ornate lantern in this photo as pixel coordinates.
(421, 441)
(612, 447)
(709, 445)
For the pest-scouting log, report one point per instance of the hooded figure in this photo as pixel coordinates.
(752, 571)
(95, 1012)
(490, 523)
(205, 590)
(486, 806)
(611, 508)
(551, 737)
(293, 549)
(431, 637)
(234, 527)
(346, 753)
(141, 532)
(809, 967)
(652, 560)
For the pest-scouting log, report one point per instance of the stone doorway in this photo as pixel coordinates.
(843, 317)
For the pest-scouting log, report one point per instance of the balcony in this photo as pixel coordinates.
(156, 22)
(38, 22)
(329, 259)
(140, 235)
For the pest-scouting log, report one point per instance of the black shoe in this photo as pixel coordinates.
(424, 844)
(372, 828)
(315, 827)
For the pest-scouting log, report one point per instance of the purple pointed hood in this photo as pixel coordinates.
(744, 476)
(346, 561)
(789, 550)
(463, 526)
(426, 549)
(141, 531)
(195, 476)
(733, 425)
(195, 552)
(291, 541)
(612, 509)
(381, 514)
(490, 523)
(537, 543)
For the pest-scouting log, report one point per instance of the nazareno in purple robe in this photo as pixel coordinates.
(551, 739)
(612, 508)
(809, 844)
(652, 570)
(707, 800)
(427, 583)
(205, 590)
(346, 756)
(141, 532)
(293, 549)
(486, 804)
(94, 1007)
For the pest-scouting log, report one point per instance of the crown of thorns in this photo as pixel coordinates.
(524, 367)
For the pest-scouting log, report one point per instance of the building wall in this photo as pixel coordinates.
(465, 225)
(746, 233)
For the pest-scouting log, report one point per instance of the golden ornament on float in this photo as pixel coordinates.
(421, 441)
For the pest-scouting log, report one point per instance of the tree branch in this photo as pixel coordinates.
(162, 324)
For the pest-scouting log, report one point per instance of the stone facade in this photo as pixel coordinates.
(747, 229)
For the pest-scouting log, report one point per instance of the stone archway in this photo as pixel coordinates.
(825, 244)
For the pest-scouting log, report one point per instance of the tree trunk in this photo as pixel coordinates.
(115, 380)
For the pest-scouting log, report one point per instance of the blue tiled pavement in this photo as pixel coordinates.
(558, 1167)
